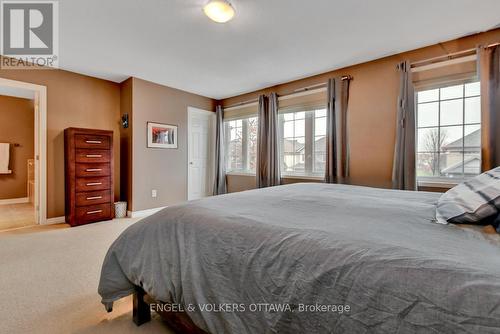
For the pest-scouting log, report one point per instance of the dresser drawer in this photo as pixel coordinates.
(92, 183)
(93, 213)
(86, 170)
(93, 197)
(92, 141)
(88, 155)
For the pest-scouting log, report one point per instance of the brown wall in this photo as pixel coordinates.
(17, 126)
(372, 109)
(162, 169)
(72, 100)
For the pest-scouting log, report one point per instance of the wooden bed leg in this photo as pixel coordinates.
(141, 312)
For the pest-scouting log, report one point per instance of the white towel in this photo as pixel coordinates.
(4, 158)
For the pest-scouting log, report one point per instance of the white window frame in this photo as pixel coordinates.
(439, 181)
(244, 150)
(309, 141)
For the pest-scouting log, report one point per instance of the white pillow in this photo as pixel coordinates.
(472, 201)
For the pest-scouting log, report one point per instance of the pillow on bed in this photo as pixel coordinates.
(472, 201)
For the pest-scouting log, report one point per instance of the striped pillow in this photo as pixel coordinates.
(472, 201)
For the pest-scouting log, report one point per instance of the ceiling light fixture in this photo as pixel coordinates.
(220, 11)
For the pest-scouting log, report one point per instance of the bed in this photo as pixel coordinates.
(315, 258)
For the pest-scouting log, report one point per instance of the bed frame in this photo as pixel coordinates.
(178, 321)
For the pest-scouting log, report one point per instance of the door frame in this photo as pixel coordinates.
(40, 111)
(191, 111)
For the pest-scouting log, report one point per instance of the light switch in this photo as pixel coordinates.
(154, 193)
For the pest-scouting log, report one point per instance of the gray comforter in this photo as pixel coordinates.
(373, 259)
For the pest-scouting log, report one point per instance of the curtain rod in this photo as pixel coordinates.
(298, 92)
(449, 56)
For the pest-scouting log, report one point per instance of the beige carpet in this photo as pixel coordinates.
(16, 215)
(49, 277)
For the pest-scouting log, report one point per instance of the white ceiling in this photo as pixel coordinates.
(171, 42)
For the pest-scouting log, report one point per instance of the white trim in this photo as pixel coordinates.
(40, 144)
(18, 200)
(144, 213)
(54, 220)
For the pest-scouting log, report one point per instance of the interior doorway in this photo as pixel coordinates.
(22, 154)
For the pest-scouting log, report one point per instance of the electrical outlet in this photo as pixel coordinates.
(154, 193)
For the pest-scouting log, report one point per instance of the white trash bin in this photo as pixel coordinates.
(120, 209)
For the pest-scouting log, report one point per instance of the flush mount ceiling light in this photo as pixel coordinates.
(219, 11)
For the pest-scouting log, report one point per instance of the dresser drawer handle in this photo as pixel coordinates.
(94, 197)
(94, 155)
(92, 212)
(93, 142)
(93, 169)
(94, 183)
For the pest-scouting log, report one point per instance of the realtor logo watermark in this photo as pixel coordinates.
(30, 34)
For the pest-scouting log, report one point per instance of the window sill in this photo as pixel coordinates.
(297, 177)
(240, 174)
(302, 177)
(438, 183)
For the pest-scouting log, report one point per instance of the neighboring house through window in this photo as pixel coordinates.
(302, 141)
(449, 132)
(301, 135)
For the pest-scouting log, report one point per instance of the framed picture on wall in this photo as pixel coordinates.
(162, 135)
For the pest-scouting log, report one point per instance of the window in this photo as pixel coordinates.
(303, 144)
(241, 145)
(449, 132)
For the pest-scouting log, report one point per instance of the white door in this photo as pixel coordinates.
(201, 140)
(37, 157)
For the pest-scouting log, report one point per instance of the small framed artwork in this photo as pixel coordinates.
(162, 135)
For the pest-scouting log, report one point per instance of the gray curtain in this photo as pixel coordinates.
(268, 162)
(337, 139)
(489, 73)
(220, 167)
(404, 168)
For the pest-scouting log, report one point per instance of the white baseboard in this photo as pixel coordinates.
(143, 213)
(14, 200)
(54, 220)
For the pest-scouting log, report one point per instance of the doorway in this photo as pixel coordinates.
(201, 148)
(22, 154)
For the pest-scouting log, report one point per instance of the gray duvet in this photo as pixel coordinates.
(311, 258)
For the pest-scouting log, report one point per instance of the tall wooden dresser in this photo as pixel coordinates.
(89, 170)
